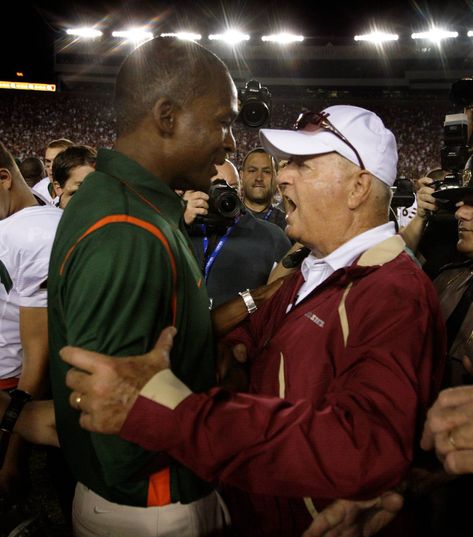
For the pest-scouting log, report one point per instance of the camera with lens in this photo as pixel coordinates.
(403, 193)
(456, 145)
(224, 206)
(455, 149)
(255, 105)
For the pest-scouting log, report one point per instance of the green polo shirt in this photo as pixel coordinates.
(121, 270)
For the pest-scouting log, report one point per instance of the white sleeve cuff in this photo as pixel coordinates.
(166, 389)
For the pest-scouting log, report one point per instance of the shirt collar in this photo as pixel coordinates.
(147, 184)
(346, 254)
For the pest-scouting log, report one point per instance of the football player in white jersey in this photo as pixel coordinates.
(26, 236)
(70, 168)
(45, 187)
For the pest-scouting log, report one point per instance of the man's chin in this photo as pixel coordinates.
(260, 200)
(198, 183)
(289, 231)
(465, 247)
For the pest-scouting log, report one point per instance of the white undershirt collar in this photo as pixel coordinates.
(316, 270)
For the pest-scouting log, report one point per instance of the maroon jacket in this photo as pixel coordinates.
(339, 388)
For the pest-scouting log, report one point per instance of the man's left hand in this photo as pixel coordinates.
(104, 389)
(449, 429)
(346, 518)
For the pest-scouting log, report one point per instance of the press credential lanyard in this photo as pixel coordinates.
(213, 256)
(268, 214)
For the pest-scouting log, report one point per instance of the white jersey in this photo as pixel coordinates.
(42, 188)
(26, 239)
(406, 214)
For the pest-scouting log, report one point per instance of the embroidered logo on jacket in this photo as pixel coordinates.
(313, 317)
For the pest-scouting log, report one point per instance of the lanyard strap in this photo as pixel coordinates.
(213, 256)
(268, 214)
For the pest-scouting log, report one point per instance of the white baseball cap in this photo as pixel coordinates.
(375, 144)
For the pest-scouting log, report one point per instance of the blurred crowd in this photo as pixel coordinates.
(28, 121)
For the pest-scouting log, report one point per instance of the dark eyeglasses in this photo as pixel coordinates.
(314, 121)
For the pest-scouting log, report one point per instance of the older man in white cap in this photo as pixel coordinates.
(343, 360)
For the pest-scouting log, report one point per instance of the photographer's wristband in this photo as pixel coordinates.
(18, 400)
(248, 300)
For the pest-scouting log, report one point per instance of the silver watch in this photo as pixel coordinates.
(248, 300)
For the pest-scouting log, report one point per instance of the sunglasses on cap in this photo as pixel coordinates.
(315, 121)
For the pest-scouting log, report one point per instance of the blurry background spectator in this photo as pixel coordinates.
(32, 169)
(27, 120)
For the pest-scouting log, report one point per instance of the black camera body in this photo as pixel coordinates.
(461, 92)
(225, 206)
(255, 105)
(403, 193)
(455, 149)
(456, 144)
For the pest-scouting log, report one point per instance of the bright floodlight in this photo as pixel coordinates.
(232, 37)
(283, 38)
(470, 33)
(87, 33)
(135, 35)
(435, 35)
(185, 36)
(377, 37)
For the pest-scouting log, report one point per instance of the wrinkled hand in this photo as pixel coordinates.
(108, 387)
(197, 204)
(345, 518)
(231, 373)
(426, 203)
(449, 429)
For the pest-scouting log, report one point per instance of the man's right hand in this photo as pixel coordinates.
(346, 518)
(104, 389)
(426, 203)
(197, 204)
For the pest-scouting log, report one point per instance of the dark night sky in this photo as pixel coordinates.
(32, 26)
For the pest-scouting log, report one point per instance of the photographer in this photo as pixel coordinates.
(432, 232)
(234, 253)
(258, 180)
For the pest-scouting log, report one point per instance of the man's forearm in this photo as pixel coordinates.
(34, 340)
(412, 233)
(36, 422)
(229, 315)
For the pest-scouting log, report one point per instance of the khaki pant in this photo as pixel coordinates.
(93, 516)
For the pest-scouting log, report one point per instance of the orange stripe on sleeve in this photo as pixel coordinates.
(126, 219)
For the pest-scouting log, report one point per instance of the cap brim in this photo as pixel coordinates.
(454, 195)
(284, 144)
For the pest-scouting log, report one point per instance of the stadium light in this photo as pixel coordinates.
(86, 33)
(377, 37)
(231, 37)
(283, 38)
(470, 33)
(135, 35)
(185, 36)
(435, 35)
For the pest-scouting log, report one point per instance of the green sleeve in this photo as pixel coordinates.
(116, 298)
